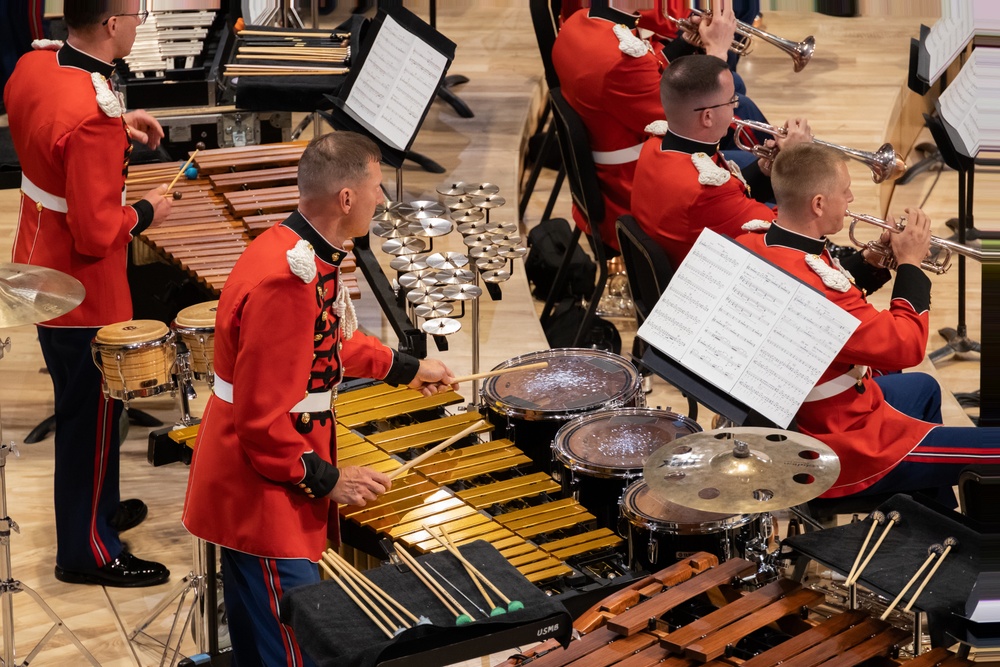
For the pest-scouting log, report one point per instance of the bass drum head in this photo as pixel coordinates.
(576, 381)
(616, 443)
(641, 508)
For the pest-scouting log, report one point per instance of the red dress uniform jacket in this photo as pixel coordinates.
(616, 95)
(672, 206)
(870, 436)
(74, 158)
(277, 339)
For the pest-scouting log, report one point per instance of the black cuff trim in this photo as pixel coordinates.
(144, 213)
(320, 477)
(913, 285)
(679, 47)
(867, 277)
(404, 368)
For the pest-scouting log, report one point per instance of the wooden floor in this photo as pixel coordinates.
(847, 92)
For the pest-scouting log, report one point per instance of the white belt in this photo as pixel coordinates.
(620, 156)
(42, 197)
(837, 385)
(318, 402)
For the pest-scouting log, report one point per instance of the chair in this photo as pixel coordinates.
(979, 494)
(574, 146)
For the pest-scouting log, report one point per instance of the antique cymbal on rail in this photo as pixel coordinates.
(422, 208)
(441, 326)
(741, 470)
(456, 189)
(482, 189)
(430, 227)
(30, 294)
(388, 212)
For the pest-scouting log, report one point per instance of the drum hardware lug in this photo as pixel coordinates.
(652, 550)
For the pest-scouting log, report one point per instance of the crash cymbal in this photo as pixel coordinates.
(461, 292)
(496, 276)
(30, 294)
(388, 212)
(456, 189)
(454, 277)
(491, 263)
(414, 279)
(406, 263)
(405, 245)
(447, 260)
(489, 201)
(430, 227)
(479, 252)
(495, 227)
(441, 326)
(392, 229)
(472, 228)
(482, 189)
(741, 470)
(430, 311)
(423, 208)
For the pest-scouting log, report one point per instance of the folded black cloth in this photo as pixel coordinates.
(335, 632)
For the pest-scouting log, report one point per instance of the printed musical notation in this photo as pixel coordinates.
(747, 327)
(397, 81)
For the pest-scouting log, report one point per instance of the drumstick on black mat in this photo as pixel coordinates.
(451, 548)
(949, 542)
(462, 617)
(877, 519)
(894, 518)
(333, 575)
(512, 605)
(932, 551)
(334, 559)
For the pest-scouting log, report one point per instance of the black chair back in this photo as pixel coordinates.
(545, 19)
(648, 267)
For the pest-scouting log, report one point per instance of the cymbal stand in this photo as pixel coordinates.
(9, 586)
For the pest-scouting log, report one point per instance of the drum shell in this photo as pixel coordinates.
(137, 370)
(200, 342)
(597, 456)
(658, 542)
(533, 427)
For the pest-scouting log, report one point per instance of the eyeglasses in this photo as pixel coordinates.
(734, 103)
(142, 16)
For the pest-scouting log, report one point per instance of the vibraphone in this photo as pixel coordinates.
(238, 194)
(686, 615)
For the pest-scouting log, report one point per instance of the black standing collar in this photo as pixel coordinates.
(779, 236)
(613, 15)
(323, 248)
(673, 142)
(69, 56)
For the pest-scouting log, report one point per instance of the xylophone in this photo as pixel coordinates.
(687, 615)
(237, 194)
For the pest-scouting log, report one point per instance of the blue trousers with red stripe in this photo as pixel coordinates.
(252, 587)
(946, 450)
(86, 452)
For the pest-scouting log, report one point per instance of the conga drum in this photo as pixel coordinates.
(195, 325)
(597, 456)
(530, 406)
(660, 533)
(136, 358)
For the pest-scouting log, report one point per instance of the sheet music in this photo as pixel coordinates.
(960, 21)
(397, 81)
(747, 327)
(970, 105)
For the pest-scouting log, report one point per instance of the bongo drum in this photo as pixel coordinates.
(136, 358)
(195, 325)
(531, 406)
(597, 456)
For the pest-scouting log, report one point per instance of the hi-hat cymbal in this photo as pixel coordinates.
(30, 294)
(441, 326)
(482, 189)
(456, 189)
(461, 292)
(430, 227)
(741, 470)
(405, 245)
(489, 201)
(447, 260)
(388, 212)
(415, 210)
(406, 263)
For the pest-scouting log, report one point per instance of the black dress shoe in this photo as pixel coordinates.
(126, 571)
(130, 514)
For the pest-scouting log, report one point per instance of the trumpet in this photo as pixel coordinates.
(884, 163)
(881, 255)
(800, 52)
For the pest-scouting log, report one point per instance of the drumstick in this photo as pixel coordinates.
(365, 609)
(452, 604)
(949, 542)
(181, 172)
(512, 605)
(332, 555)
(501, 371)
(894, 518)
(877, 519)
(451, 548)
(359, 590)
(437, 448)
(932, 551)
(349, 572)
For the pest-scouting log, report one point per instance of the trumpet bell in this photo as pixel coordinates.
(886, 165)
(802, 52)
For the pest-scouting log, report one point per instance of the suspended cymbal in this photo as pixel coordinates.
(392, 229)
(461, 292)
(456, 189)
(490, 263)
(489, 201)
(406, 245)
(496, 276)
(454, 277)
(482, 189)
(471, 228)
(415, 210)
(30, 294)
(447, 260)
(741, 470)
(406, 263)
(413, 279)
(388, 212)
(441, 326)
(429, 311)
(430, 227)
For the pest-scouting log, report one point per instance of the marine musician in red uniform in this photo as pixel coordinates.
(264, 481)
(72, 137)
(886, 430)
